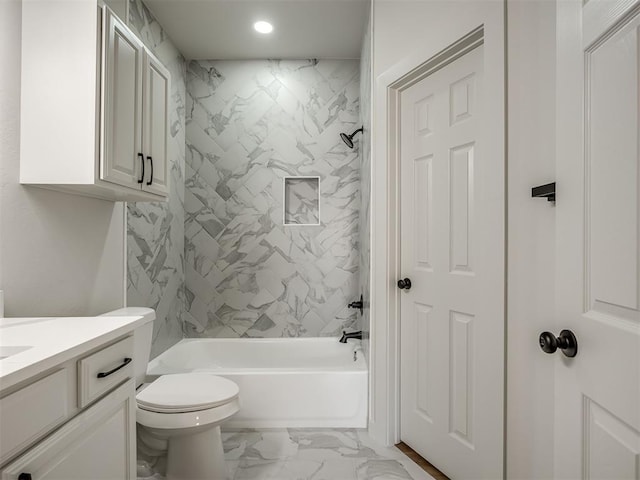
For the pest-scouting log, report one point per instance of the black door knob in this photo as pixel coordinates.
(404, 284)
(24, 476)
(566, 342)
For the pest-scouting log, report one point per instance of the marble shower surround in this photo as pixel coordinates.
(155, 230)
(250, 124)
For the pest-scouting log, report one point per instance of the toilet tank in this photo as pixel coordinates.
(142, 337)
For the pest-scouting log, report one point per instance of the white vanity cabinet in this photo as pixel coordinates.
(75, 422)
(94, 104)
(97, 444)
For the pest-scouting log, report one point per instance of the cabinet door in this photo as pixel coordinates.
(122, 160)
(156, 125)
(98, 444)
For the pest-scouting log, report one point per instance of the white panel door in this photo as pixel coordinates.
(452, 250)
(122, 156)
(597, 410)
(156, 125)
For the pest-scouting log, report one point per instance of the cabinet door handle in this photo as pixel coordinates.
(141, 179)
(126, 362)
(150, 158)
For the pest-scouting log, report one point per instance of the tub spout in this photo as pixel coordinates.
(346, 336)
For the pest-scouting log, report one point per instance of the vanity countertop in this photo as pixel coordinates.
(29, 346)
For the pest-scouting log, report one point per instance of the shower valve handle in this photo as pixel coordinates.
(358, 304)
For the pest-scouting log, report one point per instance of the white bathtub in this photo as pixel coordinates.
(284, 382)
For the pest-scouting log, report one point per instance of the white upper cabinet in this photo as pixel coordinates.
(94, 116)
(155, 133)
(122, 155)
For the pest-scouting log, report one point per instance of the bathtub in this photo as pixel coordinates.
(284, 382)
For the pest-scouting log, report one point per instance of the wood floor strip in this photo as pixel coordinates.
(421, 462)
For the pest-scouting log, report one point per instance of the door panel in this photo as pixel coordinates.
(156, 125)
(612, 173)
(425, 366)
(461, 188)
(452, 250)
(423, 188)
(598, 228)
(122, 105)
(610, 445)
(461, 377)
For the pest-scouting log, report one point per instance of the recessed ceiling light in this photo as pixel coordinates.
(263, 27)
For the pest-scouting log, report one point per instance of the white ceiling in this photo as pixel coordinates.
(223, 29)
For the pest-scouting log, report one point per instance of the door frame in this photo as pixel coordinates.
(384, 359)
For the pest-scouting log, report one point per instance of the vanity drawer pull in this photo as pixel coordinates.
(104, 370)
(126, 362)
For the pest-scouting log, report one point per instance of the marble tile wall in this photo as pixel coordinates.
(155, 230)
(250, 124)
(365, 181)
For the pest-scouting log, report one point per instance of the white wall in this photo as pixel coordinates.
(531, 230)
(404, 29)
(59, 254)
(405, 34)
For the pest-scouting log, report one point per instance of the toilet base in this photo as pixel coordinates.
(197, 456)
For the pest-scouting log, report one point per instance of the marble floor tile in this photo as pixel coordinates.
(375, 468)
(316, 454)
(232, 467)
(343, 468)
(294, 469)
(312, 454)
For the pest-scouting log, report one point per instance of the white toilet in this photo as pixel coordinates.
(183, 411)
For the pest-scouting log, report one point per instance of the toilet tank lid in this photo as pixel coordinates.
(149, 314)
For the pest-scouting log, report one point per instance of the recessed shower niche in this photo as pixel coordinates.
(301, 200)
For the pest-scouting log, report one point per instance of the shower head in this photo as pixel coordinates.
(348, 139)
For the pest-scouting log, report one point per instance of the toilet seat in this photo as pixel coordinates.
(187, 392)
(186, 401)
(186, 422)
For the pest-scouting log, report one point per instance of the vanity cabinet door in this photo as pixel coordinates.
(122, 156)
(155, 123)
(98, 444)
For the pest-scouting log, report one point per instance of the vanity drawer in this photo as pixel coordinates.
(33, 411)
(103, 370)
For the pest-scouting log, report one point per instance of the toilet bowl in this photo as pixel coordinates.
(181, 413)
(186, 410)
